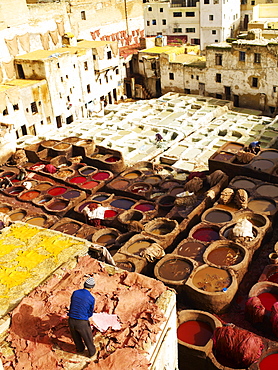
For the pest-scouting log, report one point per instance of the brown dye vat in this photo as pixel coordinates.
(37, 221)
(43, 186)
(5, 209)
(262, 205)
(130, 215)
(232, 147)
(49, 143)
(17, 216)
(166, 202)
(191, 249)
(153, 180)
(126, 265)
(223, 157)
(140, 188)
(231, 207)
(169, 184)
(225, 256)
(57, 205)
(266, 190)
(138, 247)
(175, 269)
(269, 154)
(243, 184)
(132, 175)
(68, 228)
(176, 190)
(119, 184)
(64, 173)
(226, 233)
(14, 190)
(105, 236)
(217, 216)
(161, 231)
(212, 279)
(261, 164)
(270, 273)
(62, 146)
(260, 221)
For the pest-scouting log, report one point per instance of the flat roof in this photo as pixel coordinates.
(164, 49)
(23, 83)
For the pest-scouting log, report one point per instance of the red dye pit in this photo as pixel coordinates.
(206, 234)
(59, 190)
(90, 184)
(110, 213)
(269, 362)
(144, 207)
(193, 332)
(112, 159)
(29, 195)
(101, 176)
(268, 299)
(78, 180)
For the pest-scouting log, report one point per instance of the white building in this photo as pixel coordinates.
(196, 22)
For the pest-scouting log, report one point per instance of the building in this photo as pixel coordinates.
(195, 22)
(248, 7)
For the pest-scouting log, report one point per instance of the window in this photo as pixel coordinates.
(109, 54)
(62, 79)
(197, 78)
(177, 14)
(218, 77)
(213, 32)
(150, 9)
(187, 91)
(48, 120)
(177, 30)
(5, 112)
(68, 98)
(16, 107)
(253, 2)
(164, 22)
(67, 76)
(257, 58)
(154, 22)
(24, 130)
(161, 10)
(100, 82)
(58, 65)
(148, 23)
(190, 30)
(190, 14)
(153, 64)
(218, 59)
(206, 1)
(275, 88)
(254, 82)
(216, 40)
(83, 15)
(34, 108)
(211, 17)
(88, 89)
(94, 57)
(192, 77)
(70, 90)
(117, 71)
(242, 56)
(171, 76)
(86, 66)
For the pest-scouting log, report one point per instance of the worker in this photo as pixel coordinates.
(158, 137)
(95, 212)
(255, 147)
(81, 309)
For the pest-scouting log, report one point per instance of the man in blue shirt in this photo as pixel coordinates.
(81, 309)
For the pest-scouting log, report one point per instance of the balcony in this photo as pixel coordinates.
(184, 3)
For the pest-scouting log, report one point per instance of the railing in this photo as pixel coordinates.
(183, 3)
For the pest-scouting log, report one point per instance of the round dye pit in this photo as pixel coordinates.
(62, 146)
(112, 159)
(58, 190)
(109, 213)
(105, 238)
(206, 234)
(225, 256)
(38, 221)
(29, 195)
(57, 205)
(138, 247)
(153, 180)
(268, 190)
(262, 164)
(161, 230)
(17, 216)
(218, 216)
(122, 203)
(212, 279)
(176, 190)
(175, 269)
(166, 201)
(268, 299)
(90, 184)
(15, 190)
(223, 157)
(269, 154)
(169, 184)
(145, 207)
(64, 173)
(77, 180)
(192, 250)
(4, 209)
(80, 209)
(101, 176)
(43, 186)
(68, 228)
(100, 198)
(126, 265)
(231, 207)
(132, 175)
(139, 188)
(270, 362)
(261, 205)
(71, 194)
(233, 146)
(87, 171)
(195, 332)
(120, 184)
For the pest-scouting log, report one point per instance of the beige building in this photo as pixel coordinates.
(250, 8)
